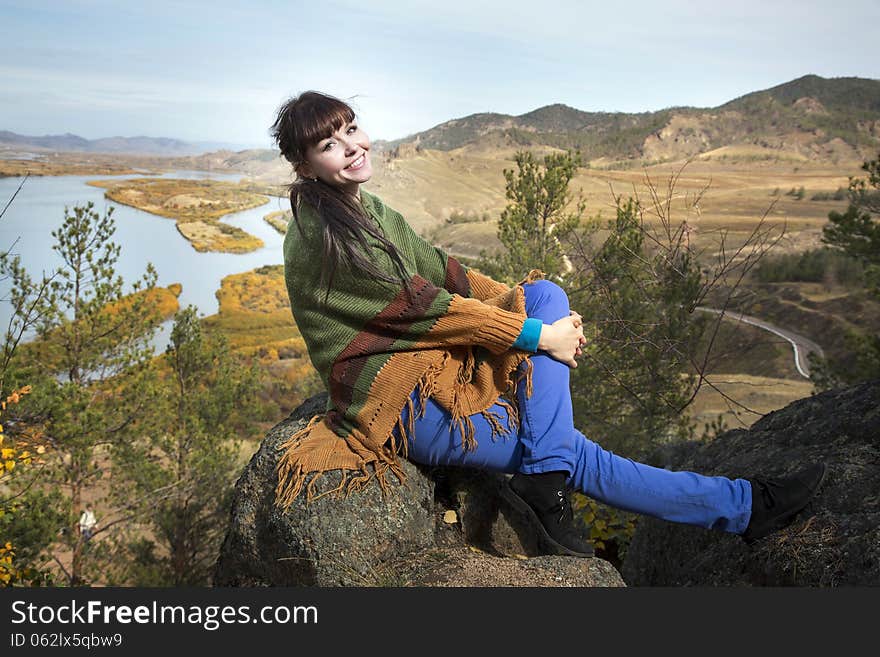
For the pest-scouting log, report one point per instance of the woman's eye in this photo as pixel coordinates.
(352, 128)
(327, 146)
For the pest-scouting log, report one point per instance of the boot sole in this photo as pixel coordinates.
(784, 520)
(548, 543)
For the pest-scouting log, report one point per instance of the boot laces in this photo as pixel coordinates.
(564, 506)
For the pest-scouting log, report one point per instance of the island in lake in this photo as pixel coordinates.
(196, 205)
(279, 220)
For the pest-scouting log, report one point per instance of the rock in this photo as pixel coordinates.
(400, 540)
(467, 566)
(332, 541)
(835, 541)
(406, 150)
(486, 521)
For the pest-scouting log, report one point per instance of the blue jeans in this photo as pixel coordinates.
(548, 440)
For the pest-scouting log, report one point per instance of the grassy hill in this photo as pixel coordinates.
(822, 119)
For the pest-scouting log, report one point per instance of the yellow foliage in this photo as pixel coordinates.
(608, 526)
(162, 299)
(15, 397)
(255, 317)
(9, 574)
(10, 455)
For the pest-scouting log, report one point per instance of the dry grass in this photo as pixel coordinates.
(756, 395)
(430, 185)
(14, 168)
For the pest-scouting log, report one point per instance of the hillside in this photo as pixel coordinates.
(132, 145)
(834, 119)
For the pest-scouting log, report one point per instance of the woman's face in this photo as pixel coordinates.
(342, 159)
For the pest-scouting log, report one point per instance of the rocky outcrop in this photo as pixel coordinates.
(405, 150)
(443, 527)
(835, 541)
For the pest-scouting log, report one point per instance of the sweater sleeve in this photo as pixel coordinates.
(445, 270)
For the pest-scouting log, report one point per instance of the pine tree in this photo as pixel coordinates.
(536, 219)
(856, 232)
(185, 470)
(636, 379)
(89, 365)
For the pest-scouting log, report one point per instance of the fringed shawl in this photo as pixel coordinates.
(373, 344)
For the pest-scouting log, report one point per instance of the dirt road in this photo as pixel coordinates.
(801, 345)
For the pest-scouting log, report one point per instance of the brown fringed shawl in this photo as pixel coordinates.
(373, 344)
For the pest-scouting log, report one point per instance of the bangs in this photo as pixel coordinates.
(321, 118)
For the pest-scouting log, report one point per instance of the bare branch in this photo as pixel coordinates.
(12, 198)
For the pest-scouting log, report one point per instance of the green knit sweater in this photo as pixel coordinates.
(372, 345)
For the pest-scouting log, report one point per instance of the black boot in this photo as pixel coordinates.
(776, 502)
(544, 497)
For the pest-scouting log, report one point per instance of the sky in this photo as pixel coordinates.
(217, 70)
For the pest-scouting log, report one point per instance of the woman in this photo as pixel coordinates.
(426, 358)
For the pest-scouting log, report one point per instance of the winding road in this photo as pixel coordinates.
(802, 346)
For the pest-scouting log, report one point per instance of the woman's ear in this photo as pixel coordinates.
(304, 170)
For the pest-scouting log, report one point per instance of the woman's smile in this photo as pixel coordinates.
(358, 163)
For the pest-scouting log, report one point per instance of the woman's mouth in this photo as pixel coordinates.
(357, 164)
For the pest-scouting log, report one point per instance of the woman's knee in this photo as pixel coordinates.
(546, 295)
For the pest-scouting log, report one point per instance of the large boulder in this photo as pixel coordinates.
(332, 541)
(443, 527)
(835, 541)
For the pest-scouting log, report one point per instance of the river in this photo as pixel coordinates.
(38, 209)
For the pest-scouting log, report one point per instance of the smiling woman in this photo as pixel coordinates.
(330, 154)
(427, 359)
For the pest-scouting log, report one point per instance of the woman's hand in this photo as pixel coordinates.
(563, 338)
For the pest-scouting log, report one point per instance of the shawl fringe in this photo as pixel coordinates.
(323, 450)
(316, 448)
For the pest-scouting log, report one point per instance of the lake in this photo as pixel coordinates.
(26, 230)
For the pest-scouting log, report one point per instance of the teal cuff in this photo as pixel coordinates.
(528, 337)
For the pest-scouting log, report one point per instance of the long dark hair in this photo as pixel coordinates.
(301, 123)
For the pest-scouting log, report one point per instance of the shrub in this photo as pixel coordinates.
(814, 266)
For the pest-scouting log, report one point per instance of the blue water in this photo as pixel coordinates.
(38, 209)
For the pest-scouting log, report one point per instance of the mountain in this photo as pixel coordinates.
(812, 117)
(134, 145)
